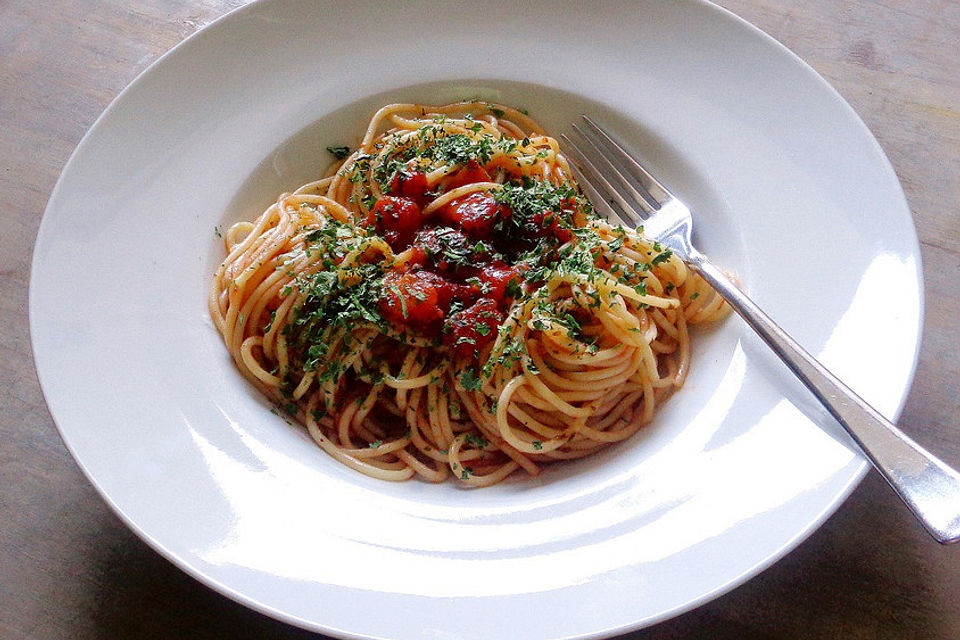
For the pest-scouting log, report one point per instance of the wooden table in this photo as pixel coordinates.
(70, 569)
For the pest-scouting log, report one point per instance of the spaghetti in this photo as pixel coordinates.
(446, 302)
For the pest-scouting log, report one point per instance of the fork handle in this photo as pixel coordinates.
(926, 484)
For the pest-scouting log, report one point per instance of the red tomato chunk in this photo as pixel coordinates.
(499, 280)
(410, 184)
(477, 214)
(414, 299)
(547, 224)
(472, 329)
(396, 219)
(445, 248)
(470, 174)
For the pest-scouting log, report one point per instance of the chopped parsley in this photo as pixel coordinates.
(663, 256)
(496, 111)
(334, 299)
(469, 381)
(477, 440)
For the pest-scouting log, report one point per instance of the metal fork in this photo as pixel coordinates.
(617, 185)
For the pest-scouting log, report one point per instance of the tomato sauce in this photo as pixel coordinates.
(463, 274)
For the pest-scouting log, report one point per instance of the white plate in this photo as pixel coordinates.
(794, 197)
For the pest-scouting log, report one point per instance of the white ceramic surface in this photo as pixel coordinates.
(793, 196)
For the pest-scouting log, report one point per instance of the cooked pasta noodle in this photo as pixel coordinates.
(446, 302)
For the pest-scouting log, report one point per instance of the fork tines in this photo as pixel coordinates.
(614, 181)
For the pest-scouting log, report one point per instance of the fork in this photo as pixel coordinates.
(620, 187)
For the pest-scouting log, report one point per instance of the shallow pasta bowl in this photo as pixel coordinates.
(798, 202)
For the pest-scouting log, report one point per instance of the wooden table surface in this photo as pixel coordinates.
(70, 569)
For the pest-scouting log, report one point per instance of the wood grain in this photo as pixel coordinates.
(70, 569)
